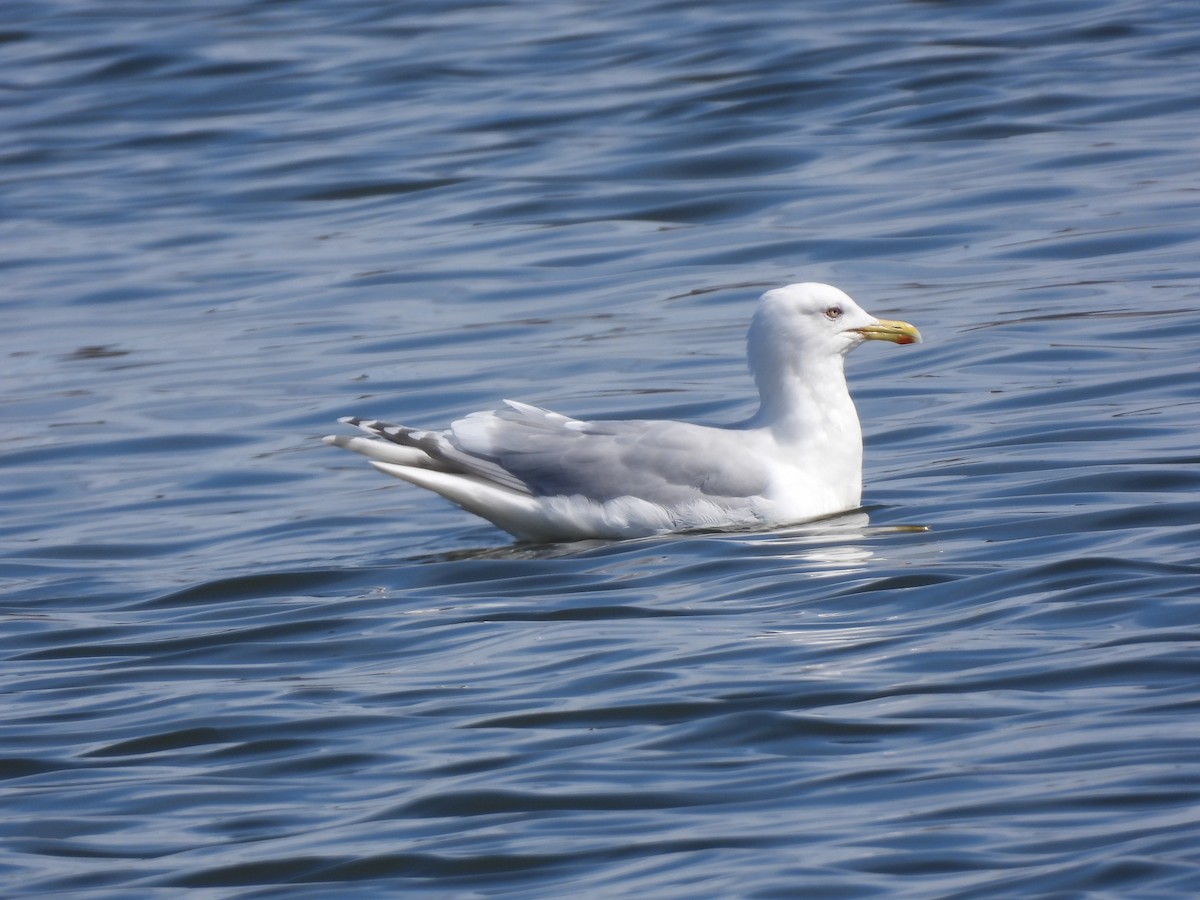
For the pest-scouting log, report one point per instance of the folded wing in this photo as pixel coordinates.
(538, 453)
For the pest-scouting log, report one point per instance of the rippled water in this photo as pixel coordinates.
(237, 661)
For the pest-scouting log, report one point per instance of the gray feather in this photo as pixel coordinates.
(655, 460)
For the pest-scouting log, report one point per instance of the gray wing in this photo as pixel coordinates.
(548, 454)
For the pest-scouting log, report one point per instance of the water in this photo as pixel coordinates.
(238, 662)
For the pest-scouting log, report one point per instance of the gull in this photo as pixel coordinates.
(546, 477)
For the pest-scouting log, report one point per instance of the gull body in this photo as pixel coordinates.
(542, 476)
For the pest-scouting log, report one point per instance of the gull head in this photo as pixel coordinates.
(818, 320)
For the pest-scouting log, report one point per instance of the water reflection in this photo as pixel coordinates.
(836, 545)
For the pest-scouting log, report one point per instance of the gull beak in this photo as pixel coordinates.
(889, 330)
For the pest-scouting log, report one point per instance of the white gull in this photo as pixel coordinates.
(542, 476)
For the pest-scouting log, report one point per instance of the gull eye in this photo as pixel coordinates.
(833, 313)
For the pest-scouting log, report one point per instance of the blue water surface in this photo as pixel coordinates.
(239, 663)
